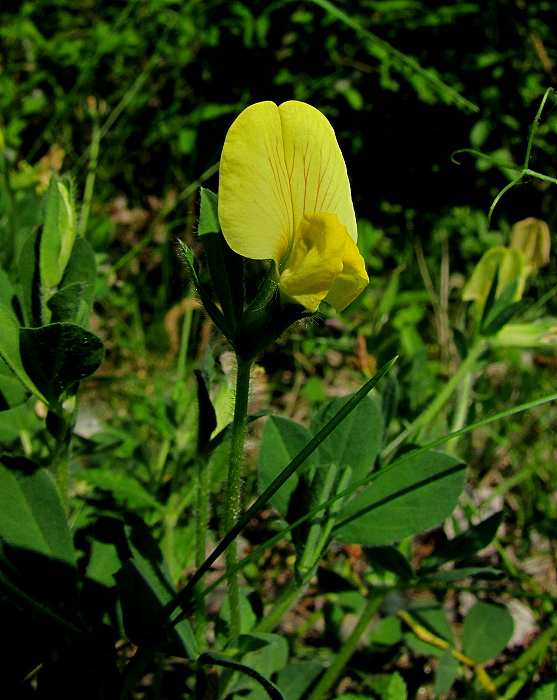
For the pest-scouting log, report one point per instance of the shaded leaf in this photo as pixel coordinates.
(125, 488)
(390, 559)
(358, 443)
(10, 351)
(144, 588)
(31, 515)
(446, 673)
(405, 499)
(282, 440)
(57, 356)
(466, 544)
(487, 630)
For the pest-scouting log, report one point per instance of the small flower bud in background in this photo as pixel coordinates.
(531, 236)
(508, 263)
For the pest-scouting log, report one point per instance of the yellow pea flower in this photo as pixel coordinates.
(284, 195)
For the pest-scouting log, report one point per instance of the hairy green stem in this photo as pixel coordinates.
(63, 422)
(347, 649)
(234, 485)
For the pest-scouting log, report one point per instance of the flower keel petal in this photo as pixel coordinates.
(324, 263)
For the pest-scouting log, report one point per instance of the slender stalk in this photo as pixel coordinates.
(234, 485)
(531, 656)
(62, 471)
(92, 169)
(427, 636)
(289, 597)
(343, 657)
(63, 421)
(461, 412)
(202, 517)
(444, 395)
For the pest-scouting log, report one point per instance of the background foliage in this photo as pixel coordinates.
(159, 83)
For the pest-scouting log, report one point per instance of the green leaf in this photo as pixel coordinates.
(6, 289)
(144, 588)
(499, 311)
(12, 391)
(387, 632)
(219, 319)
(104, 562)
(390, 559)
(57, 356)
(478, 572)
(464, 545)
(125, 488)
(50, 241)
(297, 677)
(65, 303)
(225, 266)
(58, 234)
(264, 652)
(208, 213)
(447, 671)
(220, 660)
(358, 443)
(81, 269)
(282, 440)
(30, 281)
(10, 350)
(548, 691)
(432, 618)
(207, 414)
(405, 499)
(487, 630)
(31, 515)
(389, 686)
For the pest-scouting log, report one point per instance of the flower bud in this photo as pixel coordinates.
(509, 264)
(531, 236)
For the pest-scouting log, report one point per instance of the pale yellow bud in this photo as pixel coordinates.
(531, 236)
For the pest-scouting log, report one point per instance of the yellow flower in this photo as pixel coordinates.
(284, 195)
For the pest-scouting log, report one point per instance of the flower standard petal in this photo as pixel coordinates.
(316, 168)
(255, 204)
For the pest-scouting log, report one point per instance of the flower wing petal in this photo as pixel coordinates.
(315, 166)
(325, 264)
(351, 281)
(255, 207)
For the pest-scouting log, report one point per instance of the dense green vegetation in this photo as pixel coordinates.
(127, 105)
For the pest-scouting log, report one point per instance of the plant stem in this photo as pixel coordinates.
(288, 598)
(234, 485)
(63, 421)
(531, 656)
(92, 169)
(461, 411)
(202, 512)
(444, 395)
(347, 649)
